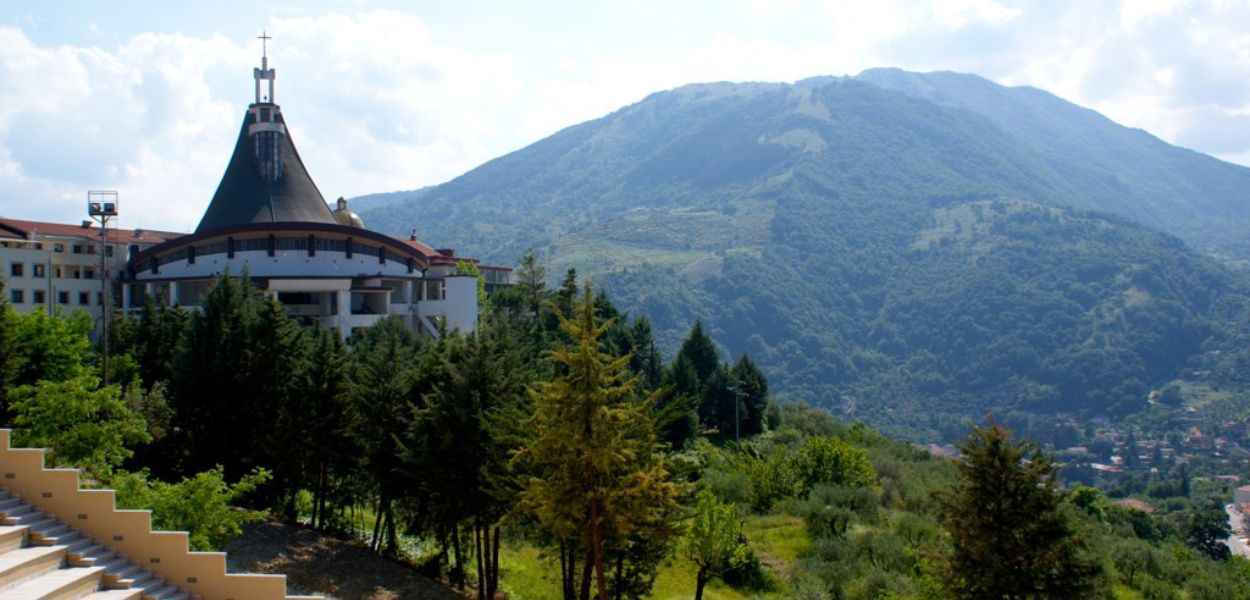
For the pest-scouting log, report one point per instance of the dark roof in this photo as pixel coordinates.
(397, 245)
(243, 196)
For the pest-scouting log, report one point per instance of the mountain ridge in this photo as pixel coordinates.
(805, 223)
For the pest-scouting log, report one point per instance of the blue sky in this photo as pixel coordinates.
(146, 97)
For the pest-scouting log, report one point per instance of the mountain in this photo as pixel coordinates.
(907, 248)
(384, 199)
(1129, 172)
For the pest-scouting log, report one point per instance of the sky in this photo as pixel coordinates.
(146, 97)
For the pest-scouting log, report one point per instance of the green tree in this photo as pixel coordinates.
(201, 505)
(383, 378)
(9, 356)
(753, 395)
(713, 539)
(698, 347)
(1205, 529)
(1010, 535)
(645, 359)
(51, 348)
(598, 475)
(532, 280)
(84, 425)
(832, 461)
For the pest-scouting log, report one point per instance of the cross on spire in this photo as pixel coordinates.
(264, 72)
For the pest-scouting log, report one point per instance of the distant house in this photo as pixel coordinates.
(1241, 495)
(1135, 504)
(1106, 469)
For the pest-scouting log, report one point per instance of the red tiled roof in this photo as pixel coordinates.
(20, 229)
(437, 257)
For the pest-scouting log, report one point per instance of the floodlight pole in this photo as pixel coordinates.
(101, 205)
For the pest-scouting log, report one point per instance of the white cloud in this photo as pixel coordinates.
(380, 100)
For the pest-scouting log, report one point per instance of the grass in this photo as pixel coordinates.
(778, 541)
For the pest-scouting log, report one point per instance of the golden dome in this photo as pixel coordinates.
(346, 217)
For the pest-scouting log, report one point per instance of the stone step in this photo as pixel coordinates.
(60, 584)
(113, 595)
(25, 563)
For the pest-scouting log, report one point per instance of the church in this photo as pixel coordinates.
(268, 220)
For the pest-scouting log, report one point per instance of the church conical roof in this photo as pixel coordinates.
(266, 181)
(249, 193)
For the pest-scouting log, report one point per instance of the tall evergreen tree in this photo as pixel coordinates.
(1009, 533)
(383, 380)
(752, 389)
(679, 417)
(645, 359)
(532, 280)
(698, 347)
(599, 476)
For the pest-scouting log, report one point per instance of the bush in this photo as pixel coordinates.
(199, 505)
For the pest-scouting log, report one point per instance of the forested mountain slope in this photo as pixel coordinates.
(876, 251)
(1111, 168)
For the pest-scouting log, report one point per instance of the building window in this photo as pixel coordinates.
(16, 269)
(99, 298)
(108, 251)
(77, 249)
(84, 298)
(273, 245)
(58, 247)
(312, 245)
(347, 249)
(90, 274)
(56, 271)
(229, 247)
(62, 297)
(17, 297)
(40, 270)
(190, 255)
(40, 298)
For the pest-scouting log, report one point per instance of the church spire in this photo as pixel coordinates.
(265, 180)
(264, 72)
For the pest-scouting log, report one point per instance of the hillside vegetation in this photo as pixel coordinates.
(880, 243)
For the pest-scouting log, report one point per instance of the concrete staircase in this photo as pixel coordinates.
(42, 558)
(61, 542)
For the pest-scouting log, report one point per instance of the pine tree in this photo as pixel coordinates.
(645, 360)
(698, 347)
(752, 393)
(599, 477)
(532, 279)
(383, 380)
(1010, 536)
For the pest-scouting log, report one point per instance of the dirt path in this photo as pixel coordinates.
(337, 569)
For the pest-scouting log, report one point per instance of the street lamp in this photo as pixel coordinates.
(102, 206)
